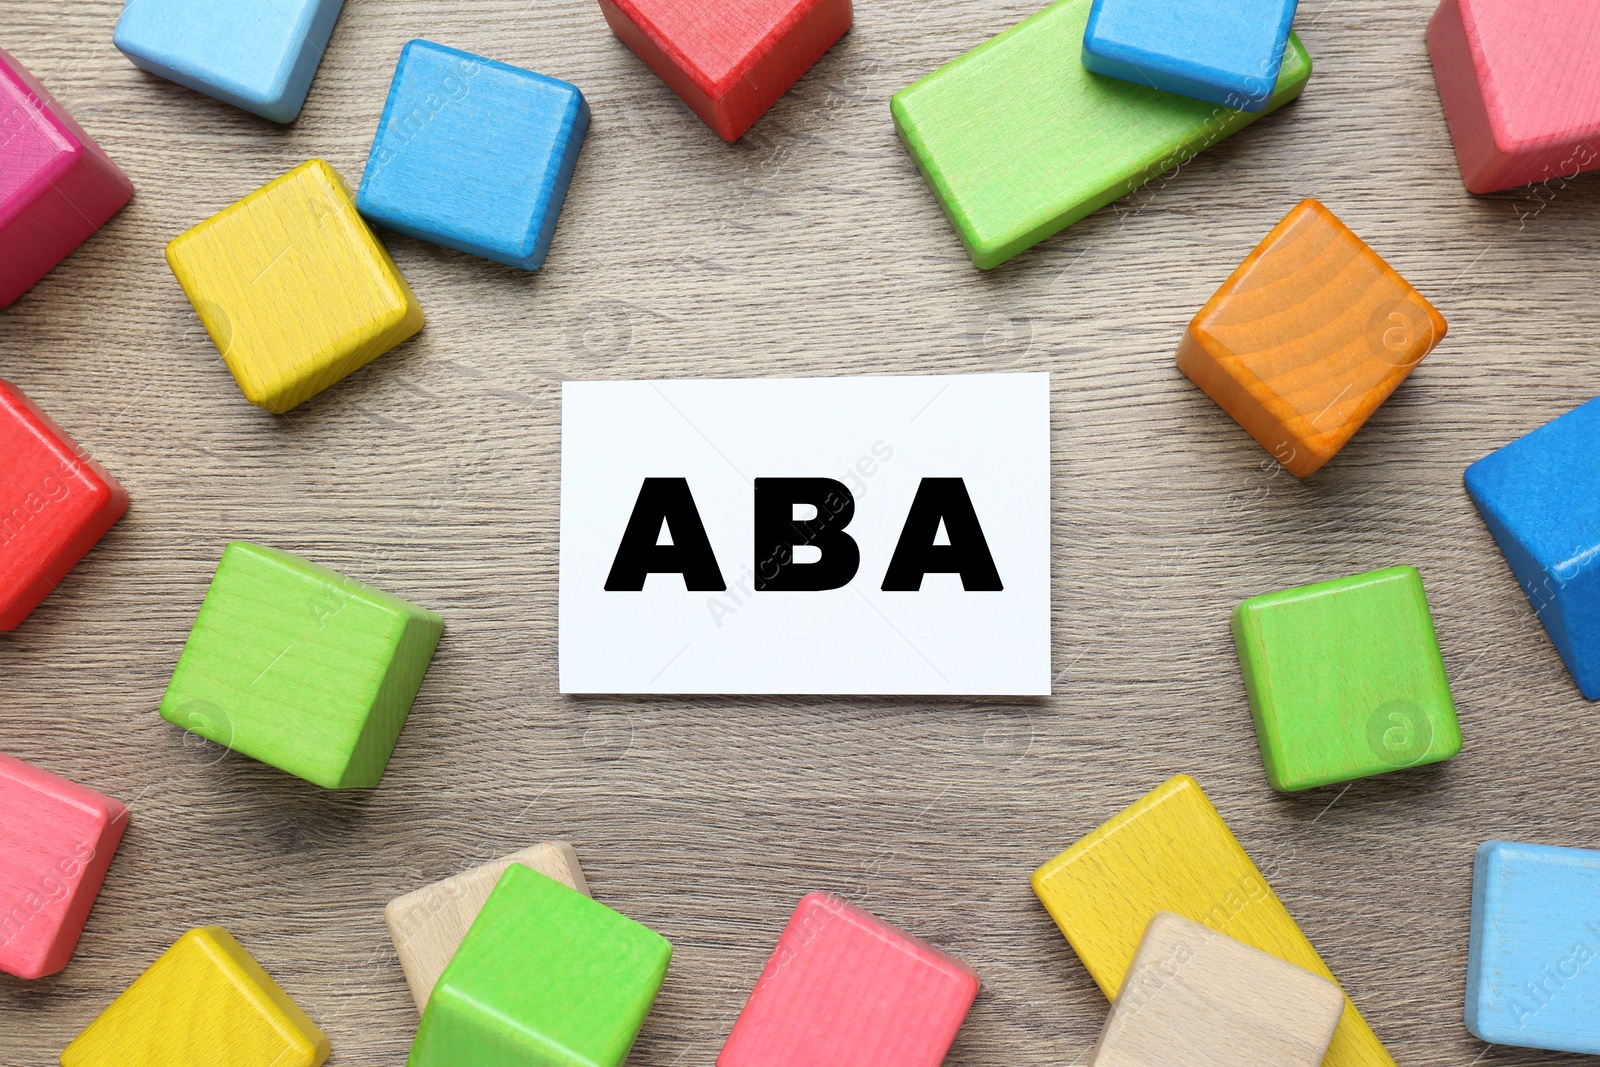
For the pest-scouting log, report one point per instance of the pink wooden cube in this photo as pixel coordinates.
(846, 989)
(56, 185)
(56, 841)
(1520, 83)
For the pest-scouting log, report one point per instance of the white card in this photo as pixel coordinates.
(940, 484)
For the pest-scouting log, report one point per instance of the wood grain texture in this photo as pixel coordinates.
(809, 247)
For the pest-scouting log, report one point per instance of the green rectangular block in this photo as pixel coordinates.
(1345, 679)
(298, 666)
(546, 977)
(1018, 140)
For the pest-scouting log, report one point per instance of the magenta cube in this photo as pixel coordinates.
(56, 185)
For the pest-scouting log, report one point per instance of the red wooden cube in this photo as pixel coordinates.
(846, 989)
(55, 503)
(1520, 84)
(56, 841)
(729, 60)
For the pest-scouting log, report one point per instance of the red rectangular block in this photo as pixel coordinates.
(846, 989)
(729, 60)
(56, 841)
(55, 504)
(56, 185)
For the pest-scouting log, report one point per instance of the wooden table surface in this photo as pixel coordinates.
(811, 247)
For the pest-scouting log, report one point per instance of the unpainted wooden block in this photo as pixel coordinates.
(1307, 337)
(427, 925)
(1198, 998)
(1171, 851)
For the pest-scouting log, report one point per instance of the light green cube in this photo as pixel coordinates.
(298, 666)
(1345, 679)
(1018, 140)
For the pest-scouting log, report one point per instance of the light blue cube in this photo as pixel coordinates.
(259, 55)
(1226, 52)
(1540, 497)
(1533, 965)
(473, 155)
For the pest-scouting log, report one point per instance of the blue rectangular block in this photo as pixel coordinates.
(1222, 51)
(259, 55)
(1533, 964)
(473, 155)
(1540, 497)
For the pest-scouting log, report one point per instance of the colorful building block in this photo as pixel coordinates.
(204, 1002)
(1520, 88)
(473, 155)
(293, 288)
(1171, 851)
(300, 667)
(259, 55)
(845, 988)
(1227, 52)
(729, 60)
(1307, 337)
(427, 925)
(545, 976)
(57, 187)
(1540, 497)
(1533, 961)
(1345, 679)
(55, 505)
(1196, 997)
(56, 842)
(1018, 143)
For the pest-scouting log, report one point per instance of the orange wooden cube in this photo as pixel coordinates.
(1305, 340)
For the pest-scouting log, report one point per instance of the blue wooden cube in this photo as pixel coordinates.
(473, 155)
(259, 55)
(1533, 962)
(1540, 496)
(1223, 51)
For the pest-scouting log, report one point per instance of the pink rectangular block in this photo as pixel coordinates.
(846, 989)
(56, 185)
(56, 841)
(1520, 83)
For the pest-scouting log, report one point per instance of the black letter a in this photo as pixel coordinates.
(967, 554)
(665, 500)
(778, 532)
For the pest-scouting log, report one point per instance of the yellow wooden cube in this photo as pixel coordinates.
(1171, 851)
(204, 1002)
(293, 287)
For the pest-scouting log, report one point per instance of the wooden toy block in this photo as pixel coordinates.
(545, 976)
(428, 924)
(729, 60)
(1227, 53)
(204, 1002)
(57, 187)
(1532, 976)
(1171, 851)
(1018, 141)
(300, 667)
(473, 155)
(258, 55)
(1520, 84)
(1540, 497)
(847, 989)
(293, 287)
(55, 505)
(1196, 997)
(56, 842)
(1307, 337)
(1345, 679)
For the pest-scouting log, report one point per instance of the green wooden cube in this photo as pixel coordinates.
(1345, 679)
(298, 666)
(1018, 140)
(546, 977)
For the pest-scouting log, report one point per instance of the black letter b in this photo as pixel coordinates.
(778, 532)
